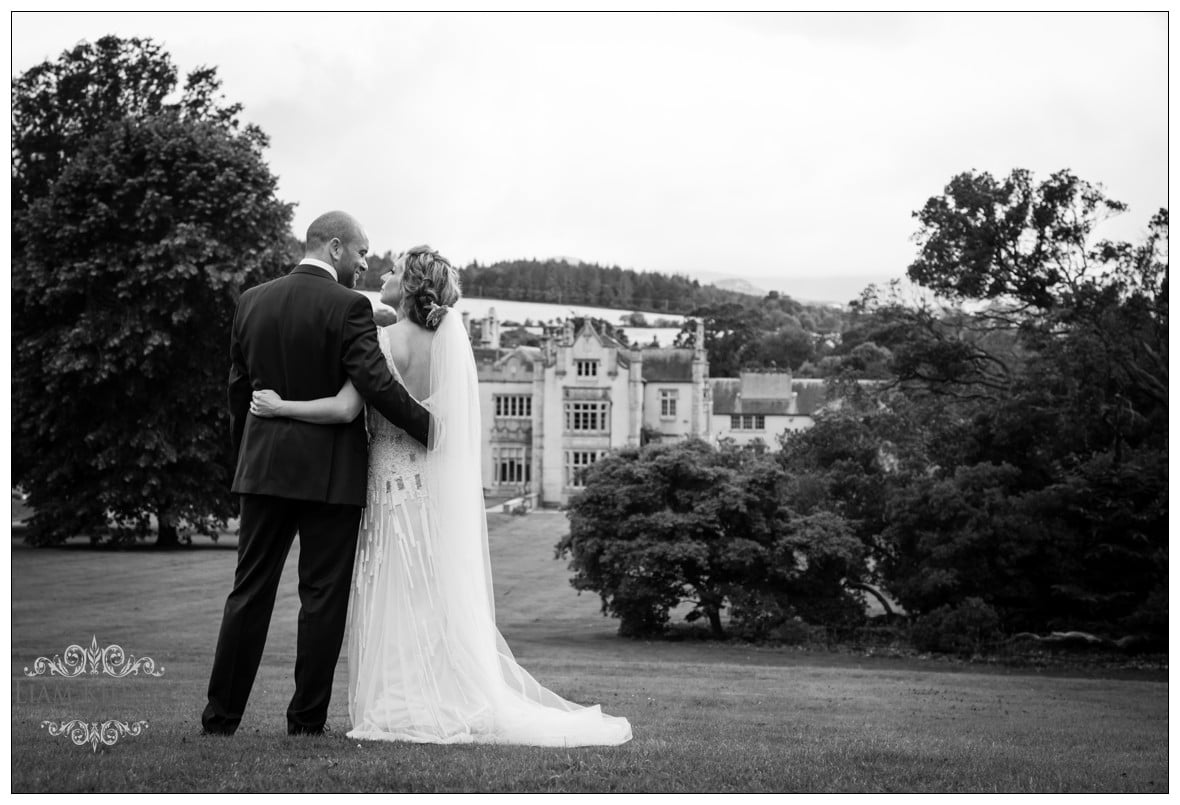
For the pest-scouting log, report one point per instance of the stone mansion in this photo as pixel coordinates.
(550, 412)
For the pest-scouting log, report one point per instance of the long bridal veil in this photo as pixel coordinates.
(517, 709)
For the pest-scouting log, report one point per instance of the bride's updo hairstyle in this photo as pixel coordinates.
(430, 286)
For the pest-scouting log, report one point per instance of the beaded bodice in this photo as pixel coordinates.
(396, 459)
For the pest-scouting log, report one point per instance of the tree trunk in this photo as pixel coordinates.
(167, 535)
(884, 603)
(714, 615)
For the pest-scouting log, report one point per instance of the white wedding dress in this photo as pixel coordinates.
(426, 662)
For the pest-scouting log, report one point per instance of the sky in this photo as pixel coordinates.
(788, 149)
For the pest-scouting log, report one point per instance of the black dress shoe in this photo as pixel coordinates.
(295, 729)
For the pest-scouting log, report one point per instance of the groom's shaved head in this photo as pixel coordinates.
(339, 240)
(335, 224)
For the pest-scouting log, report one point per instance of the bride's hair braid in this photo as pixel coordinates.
(430, 286)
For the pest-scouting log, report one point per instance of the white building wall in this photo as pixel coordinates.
(635, 389)
(511, 376)
(551, 411)
(614, 383)
(775, 425)
(677, 426)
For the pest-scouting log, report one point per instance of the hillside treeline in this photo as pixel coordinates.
(559, 282)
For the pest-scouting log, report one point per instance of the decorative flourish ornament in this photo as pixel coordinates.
(107, 733)
(78, 660)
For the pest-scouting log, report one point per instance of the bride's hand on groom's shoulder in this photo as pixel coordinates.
(265, 403)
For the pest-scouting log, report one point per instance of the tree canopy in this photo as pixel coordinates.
(137, 221)
(1030, 471)
(669, 523)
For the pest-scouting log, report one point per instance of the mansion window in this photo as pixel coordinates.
(576, 464)
(514, 406)
(511, 465)
(586, 417)
(668, 402)
(586, 368)
(747, 422)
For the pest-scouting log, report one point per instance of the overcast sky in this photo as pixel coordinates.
(779, 148)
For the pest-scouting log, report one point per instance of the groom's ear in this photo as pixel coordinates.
(335, 247)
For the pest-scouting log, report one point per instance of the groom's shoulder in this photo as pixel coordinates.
(252, 293)
(336, 294)
(310, 288)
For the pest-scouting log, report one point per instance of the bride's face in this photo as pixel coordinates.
(391, 286)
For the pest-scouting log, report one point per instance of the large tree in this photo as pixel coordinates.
(1082, 319)
(731, 330)
(137, 221)
(57, 106)
(1042, 365)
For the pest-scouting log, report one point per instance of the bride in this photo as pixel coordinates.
(426, 662)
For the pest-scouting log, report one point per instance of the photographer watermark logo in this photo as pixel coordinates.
(110, 661)
(81, 662)
(83, 732)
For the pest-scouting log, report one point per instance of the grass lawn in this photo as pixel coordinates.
(707, 717)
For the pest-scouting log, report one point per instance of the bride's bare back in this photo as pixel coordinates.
(409, 345)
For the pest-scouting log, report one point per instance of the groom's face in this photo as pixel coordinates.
(349, 256)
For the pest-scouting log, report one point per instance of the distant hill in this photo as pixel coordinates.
(834, 290)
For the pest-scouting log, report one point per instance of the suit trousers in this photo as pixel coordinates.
(327, 548)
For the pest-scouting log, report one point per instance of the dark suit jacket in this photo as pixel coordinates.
(302, 335)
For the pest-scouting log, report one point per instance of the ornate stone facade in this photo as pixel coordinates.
(549, 412)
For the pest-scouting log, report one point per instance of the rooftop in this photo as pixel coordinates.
(607, 340)
(667, 364)
(526, 354)
(770, 393)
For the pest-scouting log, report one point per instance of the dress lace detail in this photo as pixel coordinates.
(426, 662)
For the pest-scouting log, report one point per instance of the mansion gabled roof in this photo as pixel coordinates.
(530, 355)
(500, 355)
(667, 364)
(737, 395)
(485, 354)
(605, 339)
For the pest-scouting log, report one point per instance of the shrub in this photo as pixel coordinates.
(794, 632)
(962, 628)
(755, 614)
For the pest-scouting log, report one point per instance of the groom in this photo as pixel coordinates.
(302, 335)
